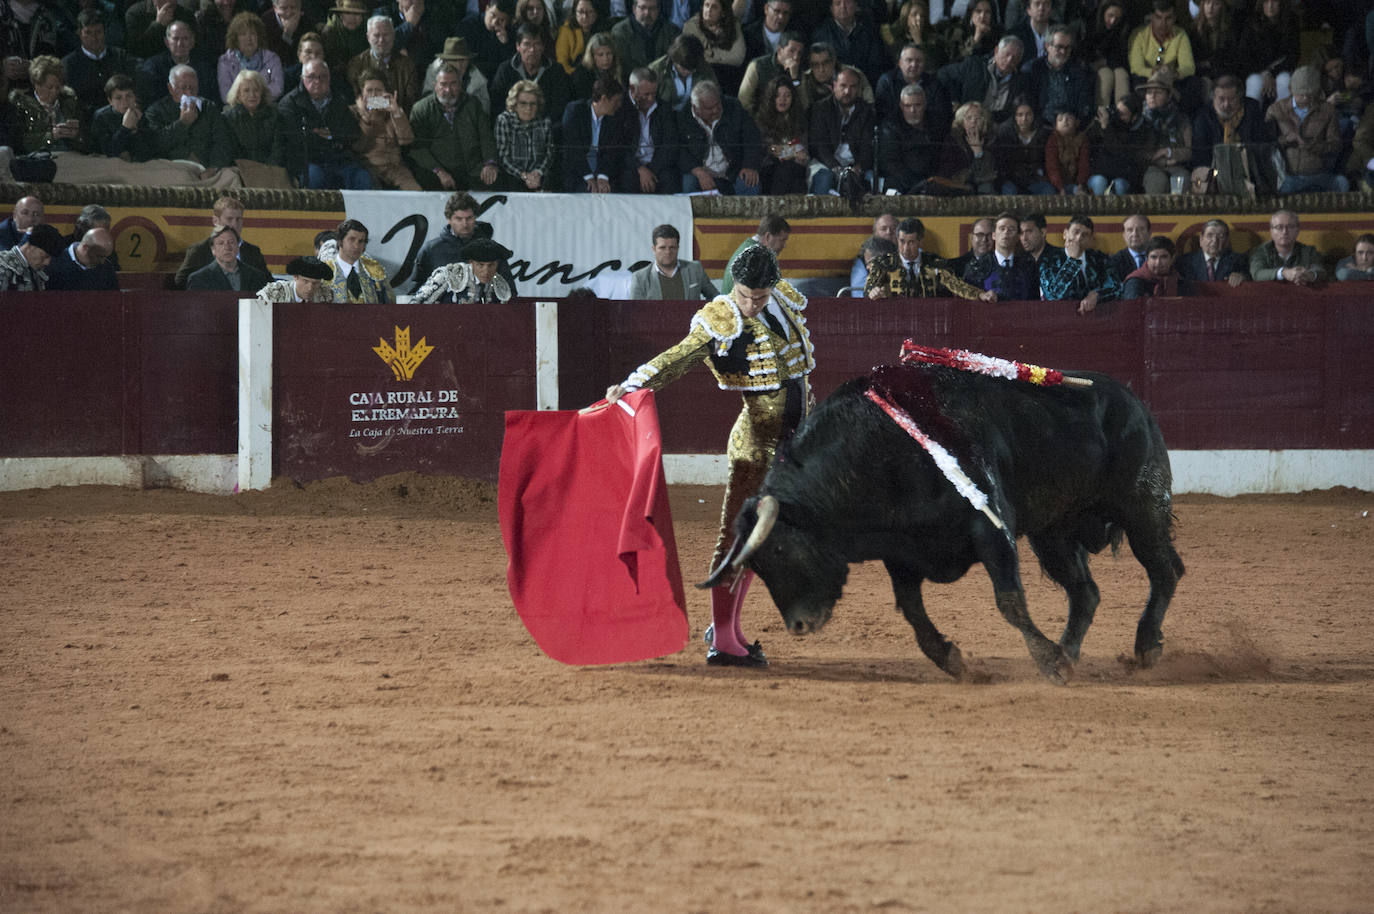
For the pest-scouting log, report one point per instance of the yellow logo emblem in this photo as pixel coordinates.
(403, 358)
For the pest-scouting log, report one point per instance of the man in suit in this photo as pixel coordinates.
(187, 126)
(454, 148)
(651, 160)
(721, 146)
(226, 272)
(994, 77)
(227, 211)
(1214, 261)
(1007, 269)
(28, 212)
(593, 140)
(667, 278)
(321, 132)
(1135, 229)
(979, 243)
(85, 265)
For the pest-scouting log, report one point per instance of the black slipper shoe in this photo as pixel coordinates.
(720, 658)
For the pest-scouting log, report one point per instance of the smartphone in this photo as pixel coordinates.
(378, 101)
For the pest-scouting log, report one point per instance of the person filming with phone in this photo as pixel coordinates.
(384, 130)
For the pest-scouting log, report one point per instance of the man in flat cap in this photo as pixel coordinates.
(310, 278)
(22, 267)
(473, 279)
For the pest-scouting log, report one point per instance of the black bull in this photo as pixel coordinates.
(1070, 469)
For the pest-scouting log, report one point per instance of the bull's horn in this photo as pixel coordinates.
(763, 525)
(721, 571)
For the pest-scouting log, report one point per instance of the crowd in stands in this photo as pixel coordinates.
(732, 96)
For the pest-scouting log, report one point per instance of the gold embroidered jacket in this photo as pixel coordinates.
(932, 281)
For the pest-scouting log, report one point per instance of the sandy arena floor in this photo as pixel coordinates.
(321, 700)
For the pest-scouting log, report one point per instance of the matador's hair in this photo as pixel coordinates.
(756, 267)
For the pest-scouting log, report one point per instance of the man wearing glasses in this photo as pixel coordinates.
(1059, 82)
(979, 243)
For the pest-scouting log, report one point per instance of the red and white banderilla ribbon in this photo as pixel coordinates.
(989, 365)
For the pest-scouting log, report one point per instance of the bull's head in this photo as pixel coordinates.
(804, 578)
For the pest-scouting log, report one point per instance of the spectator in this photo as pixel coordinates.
(146, 23)
(907, 152)
(1157, 278)
(245, 49)
(1081, 273)
(773, 234)
(667, 278)
(574, 34)
(1283, 257)
(644, 36)
(819, 79)
(995, 80)
(1309, 137)
(461, 226)
(1034, 32)
(529, 63)
(979, 243)
(227, 211)
(1216, 42)
(92, 215)
(722, 42)
(914, 275)
(1007, 270)
(885, 230)
(1233, 120)
(421, 28)
(358, 278)
(253, 125)
(524, 139)
(680, 69)
(1106, 48)
(384, 129)
(85, 266)
(475, 279)
(1270, 40)
(309, 282)
(911, 71)
(1068, 156)
(470, 79)
(489, 36)
(721, 148)
(151, 80)
(601, 60)
(912, 27)
(186, 126)
(28, 212)
(841, 139)
(785, 60)
(967, 164)
(454, 149)
(117, 129)
(213, 19)
(1018, 148)
(330, 133)
(1119, 142)
(976, 35)
(1060, 83)
(1214, 261)
(1135, 230)
(653, 150)
(49, 118)
(534, 13)
(1160, 45)
(344, 34)
(782, 129)
(593, 141)
(383, 57)
(762, 35)
(284, 27)
(225, 272)
(873, 252)
(23, 267)
(1358, 267)
(91, 65)
(310, 47)
(1169, 134)
(1033, 239)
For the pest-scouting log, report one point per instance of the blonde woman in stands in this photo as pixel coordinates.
(252, 120)
(244, 50)
(47, 119)
(602, 58)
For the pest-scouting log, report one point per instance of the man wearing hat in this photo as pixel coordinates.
(1309, 136)
(1169, 133)
(310, 278)
(754, 340)
(470, 79)
(454, 148)
(22, 266)
(473, 280)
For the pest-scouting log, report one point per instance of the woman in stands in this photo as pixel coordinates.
(245, 49)
(536, 14)
(722, 40)
(574, 34)
(1106, 48)
(977, 33)
(782, 125)
(1216, 43)
(524, 139)
(252, 120)
(48, 118)
(600, 59)
(212, 24)
(913, 26)
(385, 129)
(967, 163)
(1271, 42)
(1019, 149)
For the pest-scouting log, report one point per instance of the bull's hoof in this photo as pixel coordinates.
(1148, 658)
(1054, 664)
(720, 658)
(954, 664)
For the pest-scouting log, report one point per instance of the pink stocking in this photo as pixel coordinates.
(737, 607)
(725, 619)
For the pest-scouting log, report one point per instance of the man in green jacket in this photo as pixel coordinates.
(454, 148)
(1285, 257)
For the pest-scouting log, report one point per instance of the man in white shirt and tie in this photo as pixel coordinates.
(1135, 229)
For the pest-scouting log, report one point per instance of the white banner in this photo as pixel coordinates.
(560, 241)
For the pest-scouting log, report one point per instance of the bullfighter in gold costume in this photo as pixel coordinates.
(755, 341)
